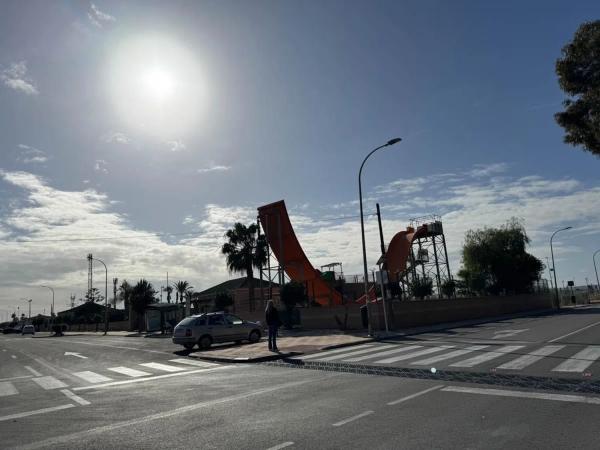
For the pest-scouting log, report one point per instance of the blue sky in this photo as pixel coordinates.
(130, 118)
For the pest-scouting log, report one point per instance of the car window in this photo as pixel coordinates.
(187, 321)
(200, 321)
(234, 320)
(216, 320)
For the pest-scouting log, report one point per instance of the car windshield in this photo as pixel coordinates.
(187, 321)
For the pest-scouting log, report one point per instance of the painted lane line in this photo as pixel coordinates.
(454, 354)
(74, 397)
(13, 356)
(192, 362)
(283, 445)
(157, 377)
(573, 332)
(476, 360)
(92, 377)
(129, 372)
(507, 333)
(33, 371)
(120, 347)
(415, 395)
(580, 361)
(426, 351)
(3, 349)
(7, 388)
(398, 349)
(86, 435)
(37, 411)
(522, 394)
(49, 383)
(332, 352)
(531, 358)
(78, 355)
(16, 378)
(163, 367)
(352, 352)
(353, 418)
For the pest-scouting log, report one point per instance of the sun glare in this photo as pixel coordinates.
(156, 86)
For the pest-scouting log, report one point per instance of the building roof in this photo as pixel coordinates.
(235, 283)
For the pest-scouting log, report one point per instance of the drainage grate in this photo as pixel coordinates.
(493, 378)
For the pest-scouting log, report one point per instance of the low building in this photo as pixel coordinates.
(238, 289)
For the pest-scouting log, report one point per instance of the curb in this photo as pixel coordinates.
(266, 358)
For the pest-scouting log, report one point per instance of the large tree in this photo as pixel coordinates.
(182, 288)
(142, 294)
(578, 73)
(495, 260)
(245, 251)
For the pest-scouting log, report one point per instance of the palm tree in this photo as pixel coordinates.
(182, 287)
(169, 290)
(142, 295)
(125, 296)
(245, 251)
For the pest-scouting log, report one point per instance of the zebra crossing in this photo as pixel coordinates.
(109, 374)
(561, 358)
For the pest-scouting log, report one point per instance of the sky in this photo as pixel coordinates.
(140, 131)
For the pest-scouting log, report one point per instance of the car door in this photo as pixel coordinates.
(239, 331)
(219, 329)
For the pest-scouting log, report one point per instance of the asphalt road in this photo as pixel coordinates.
(143, 393)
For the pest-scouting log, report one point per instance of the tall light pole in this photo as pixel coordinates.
(596, 269)
(105, 295)
(362, 228)
(52, 309)
(554, 266)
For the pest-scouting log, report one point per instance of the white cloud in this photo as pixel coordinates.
(101, 166)
(215, 168)
(31, 155)
(485, 170)
(15, 77)
(99, 18)
(176, 145)
(116, 137)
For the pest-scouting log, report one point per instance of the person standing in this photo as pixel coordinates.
(273, 322)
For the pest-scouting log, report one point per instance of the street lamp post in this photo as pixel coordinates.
(554, 266)
(52, 309)
(362, 228)
(105, 295)
(596, 269)
(28, 300)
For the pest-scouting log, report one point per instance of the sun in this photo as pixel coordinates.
(156, 86)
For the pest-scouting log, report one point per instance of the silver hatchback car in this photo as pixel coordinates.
(205, 329)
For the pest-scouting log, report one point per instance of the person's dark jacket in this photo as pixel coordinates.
(272, 318)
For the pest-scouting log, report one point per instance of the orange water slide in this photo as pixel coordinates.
(398, 251)
(284, 244)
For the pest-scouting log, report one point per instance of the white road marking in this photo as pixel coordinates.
(37, 411)
(129, 372)
(398, 349)
(3, 349)
(13, 356)
(521, 394)
(74, 397)
(33, 371)
(574, 332)
(78, 355)
(488, 356)
(49, 383)
(192, 362)
(580, 361)
(417, 394)
(157, 377)
(507, 333)
(163, 367)
(530, 358)
(331, 352)
(414, 354)
(7, 388)
(92, 377)
(117, 346)
(15, 378)
(81, 436)
(353, 418)
(283, 445)
(357, 352)
(454, 354)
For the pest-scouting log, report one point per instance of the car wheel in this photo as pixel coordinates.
(254, 336)
(189, 346)
(205, 342)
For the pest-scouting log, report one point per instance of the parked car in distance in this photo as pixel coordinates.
(205, 329)
(11, 330)
(28, 329)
